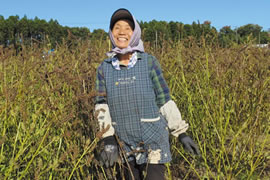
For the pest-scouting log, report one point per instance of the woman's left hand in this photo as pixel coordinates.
(189, 144)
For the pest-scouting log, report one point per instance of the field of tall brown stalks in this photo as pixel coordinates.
(48, 130)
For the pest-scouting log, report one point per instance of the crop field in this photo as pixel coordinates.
(48, 129)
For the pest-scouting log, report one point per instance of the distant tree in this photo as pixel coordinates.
(157, 32)
(12, 30)
(226, 36)
(197, 29)
(143, 26)
(180, 27)
(226, 30)
(56, 32)
(99, 34)
(2, 30)
(188, 30)
(248, 30)
(24, 25)
(15, 31)
(149, 31)
(264, 37)
(209, 32)
(83, 33)
(174, 31)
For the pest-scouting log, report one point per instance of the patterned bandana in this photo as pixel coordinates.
(135, 44)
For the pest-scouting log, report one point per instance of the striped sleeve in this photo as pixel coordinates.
(101, 108)
(168, 108)
(100, 87)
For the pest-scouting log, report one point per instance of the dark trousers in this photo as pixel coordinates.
(145, 171)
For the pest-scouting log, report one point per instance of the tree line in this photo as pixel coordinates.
(17, 31)
(175, 31)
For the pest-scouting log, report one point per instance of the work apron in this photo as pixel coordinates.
(135, 115)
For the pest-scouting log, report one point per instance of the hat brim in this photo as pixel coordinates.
(121, 14)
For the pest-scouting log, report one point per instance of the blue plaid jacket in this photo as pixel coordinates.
(134, 96)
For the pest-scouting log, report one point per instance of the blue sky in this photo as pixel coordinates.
(95, 14)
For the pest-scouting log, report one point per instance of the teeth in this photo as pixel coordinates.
(122, 39)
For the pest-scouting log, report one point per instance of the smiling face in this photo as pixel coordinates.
(122, 32)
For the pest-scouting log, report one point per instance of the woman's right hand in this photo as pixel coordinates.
(109, 154)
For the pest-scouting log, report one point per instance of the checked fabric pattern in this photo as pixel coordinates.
(134, 110)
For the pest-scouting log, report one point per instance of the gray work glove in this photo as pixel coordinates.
(189, 144)
(109, 154)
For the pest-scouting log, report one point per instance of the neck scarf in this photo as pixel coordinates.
(135, 43)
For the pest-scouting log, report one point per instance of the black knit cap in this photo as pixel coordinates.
(121, 13)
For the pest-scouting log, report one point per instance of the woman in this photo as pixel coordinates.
(137, 106)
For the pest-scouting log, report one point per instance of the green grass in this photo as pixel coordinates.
(48, 130)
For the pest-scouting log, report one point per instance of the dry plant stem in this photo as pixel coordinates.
(124, 156)
(208, 111)
(169, 171)
(37, 151)
(104, 173)
(13, 158)
(191, 165)
(5, 109)
(223, 93)
(255, 163)
(89, 149)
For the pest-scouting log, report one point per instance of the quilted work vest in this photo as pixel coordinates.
(135, 116)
